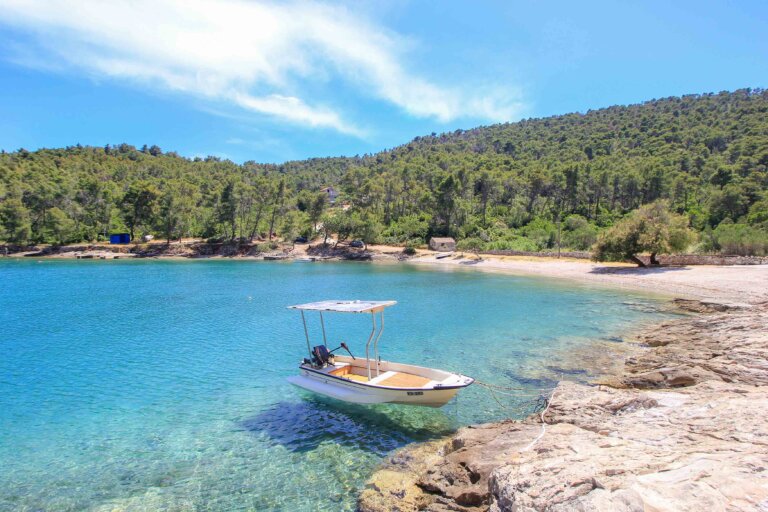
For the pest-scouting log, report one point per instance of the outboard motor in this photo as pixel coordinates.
(320, 355)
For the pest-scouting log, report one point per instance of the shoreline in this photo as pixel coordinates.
(732, 284)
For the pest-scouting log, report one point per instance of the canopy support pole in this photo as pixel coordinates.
(376, 343)
(306, 334)
(322, 324)
(368, 344)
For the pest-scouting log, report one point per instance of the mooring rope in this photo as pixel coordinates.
(543, 424)
(513, 388)
(541, 393)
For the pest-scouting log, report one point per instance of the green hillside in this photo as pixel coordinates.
(503, 186)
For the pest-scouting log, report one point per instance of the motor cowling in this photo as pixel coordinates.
(320, 355)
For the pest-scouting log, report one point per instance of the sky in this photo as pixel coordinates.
(277, 81)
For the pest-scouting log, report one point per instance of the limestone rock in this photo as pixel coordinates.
(730, 346)
(394, 487)
(700, 446)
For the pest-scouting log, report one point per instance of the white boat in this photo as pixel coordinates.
(370, 380)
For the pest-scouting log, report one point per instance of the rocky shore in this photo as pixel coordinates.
(682, 427)
(202, 249)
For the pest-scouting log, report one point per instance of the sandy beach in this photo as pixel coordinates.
(743, 284)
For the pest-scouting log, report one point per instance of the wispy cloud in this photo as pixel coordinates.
(257, 56)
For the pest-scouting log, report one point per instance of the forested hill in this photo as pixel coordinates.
(501, 186)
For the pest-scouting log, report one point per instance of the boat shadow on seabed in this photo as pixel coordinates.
(304, 425)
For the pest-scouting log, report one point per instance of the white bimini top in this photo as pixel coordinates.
(346, 306)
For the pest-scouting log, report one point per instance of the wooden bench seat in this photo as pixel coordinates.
(405, 380)
(395, 380)
(345, 372)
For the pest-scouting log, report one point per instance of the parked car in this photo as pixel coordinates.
(300, 240)
(359, 244)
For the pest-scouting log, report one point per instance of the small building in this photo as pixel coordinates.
(331, 193)
(120, 238)
(442, 244)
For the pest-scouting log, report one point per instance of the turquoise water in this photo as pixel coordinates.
(160, 385)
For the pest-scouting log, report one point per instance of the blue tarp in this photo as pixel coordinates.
(120, 238)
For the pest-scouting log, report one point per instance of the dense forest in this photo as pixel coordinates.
(523, 186)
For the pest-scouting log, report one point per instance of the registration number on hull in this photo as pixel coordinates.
(415, 393)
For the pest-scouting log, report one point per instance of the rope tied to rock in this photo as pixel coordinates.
(543, 424)
(542, 402)
(538, 395)
(512, 388)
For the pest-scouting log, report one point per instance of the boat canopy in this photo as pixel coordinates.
(346, 306)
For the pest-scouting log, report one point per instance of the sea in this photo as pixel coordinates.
(161, 385)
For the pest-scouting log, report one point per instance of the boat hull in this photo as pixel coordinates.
(350, 391)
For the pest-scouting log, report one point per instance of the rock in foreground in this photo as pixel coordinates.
(703, 446)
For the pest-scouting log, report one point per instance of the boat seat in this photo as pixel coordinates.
(382, 376)
(352, 376)
(405, 380)
(345, 372)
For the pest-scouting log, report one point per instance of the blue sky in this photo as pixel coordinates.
(270, 82)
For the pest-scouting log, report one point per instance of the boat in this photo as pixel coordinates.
(369, 380)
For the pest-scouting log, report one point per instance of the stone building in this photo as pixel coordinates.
(442, 244)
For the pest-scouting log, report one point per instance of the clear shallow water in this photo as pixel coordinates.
(147, 385)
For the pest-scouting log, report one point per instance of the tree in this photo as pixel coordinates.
(366, 227)
(447, 192)
(652, 228)
(728, 203)
(226, 211)
(178, 203)
(14, 218)
(61, 227)
(485, 187)
(261, 192)
(277, 205)
(139, 205)
(96, 199)
(316, 208)
(344, 224)
(293, 224)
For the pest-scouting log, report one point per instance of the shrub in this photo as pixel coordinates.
(471, 244)
(739, 239)
(406, 228)
(513, 244)
(266, 246)
(758, 212)
(578, 233)
(541, 232)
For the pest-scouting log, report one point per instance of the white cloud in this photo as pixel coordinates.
(257, 56)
